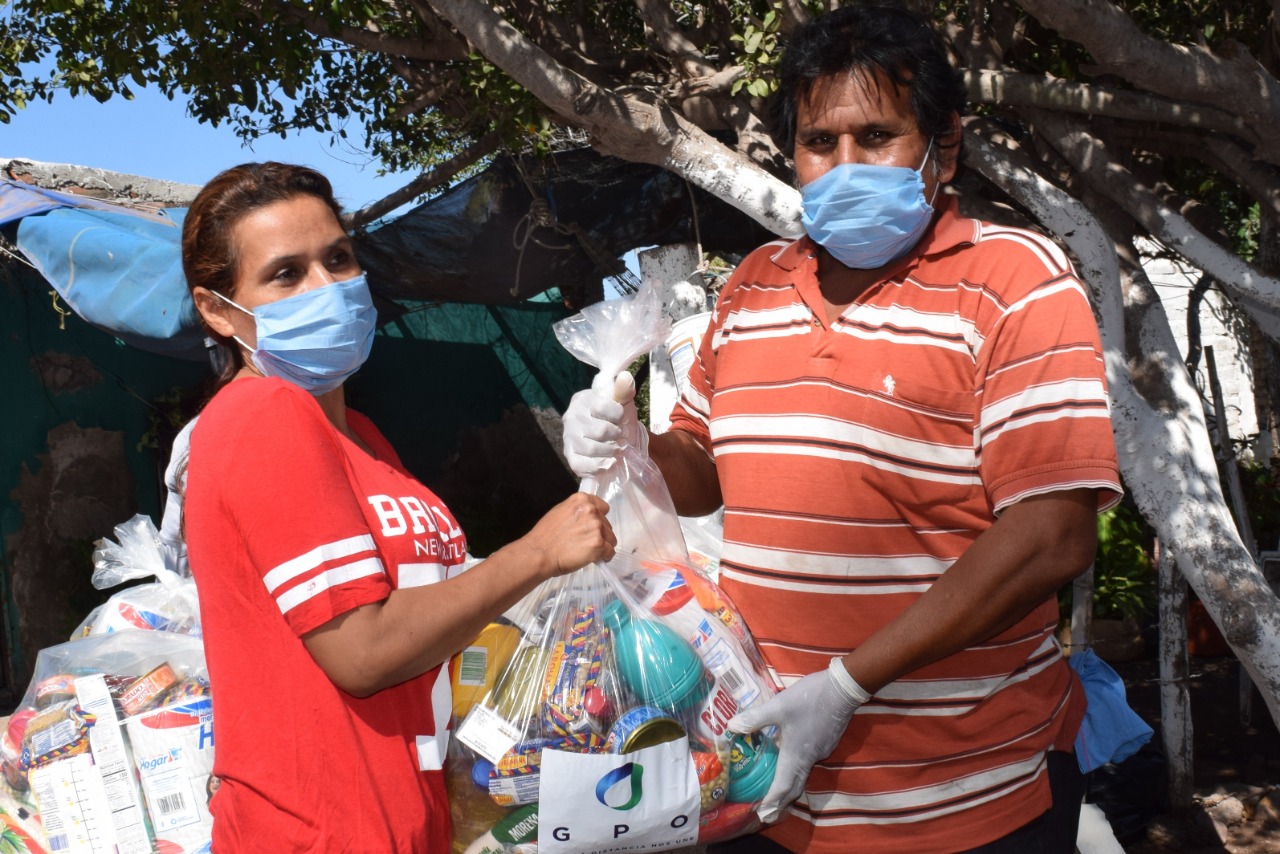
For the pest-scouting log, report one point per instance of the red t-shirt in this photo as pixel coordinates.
(290, 524)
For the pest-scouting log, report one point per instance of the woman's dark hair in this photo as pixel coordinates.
(209, 258)
(873, 37)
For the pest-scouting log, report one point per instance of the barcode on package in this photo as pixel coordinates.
(732, 679)
(474, 662)
(171, 803)
(59, 842)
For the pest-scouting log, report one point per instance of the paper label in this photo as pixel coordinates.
(111, 760)
(73, 806)
(488, 733)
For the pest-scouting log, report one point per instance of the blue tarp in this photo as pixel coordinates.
(118, 269)
(18, 200)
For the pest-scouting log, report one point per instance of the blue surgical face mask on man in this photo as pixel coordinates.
(315, 339)
(867, 215)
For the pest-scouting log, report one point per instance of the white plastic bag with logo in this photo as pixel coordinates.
(646, 800)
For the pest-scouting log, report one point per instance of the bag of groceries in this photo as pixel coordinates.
(114, 737)
(168, 604)
(592, 716)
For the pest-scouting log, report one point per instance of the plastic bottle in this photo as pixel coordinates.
(655, 662)
(737, 682)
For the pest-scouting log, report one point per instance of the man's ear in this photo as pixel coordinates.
(949, 150)
(212, 311)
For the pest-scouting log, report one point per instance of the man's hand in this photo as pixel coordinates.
(599, 422)
(811, 715)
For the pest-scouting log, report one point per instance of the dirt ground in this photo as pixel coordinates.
(1236, 770)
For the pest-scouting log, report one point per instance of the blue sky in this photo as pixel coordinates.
(152, 136)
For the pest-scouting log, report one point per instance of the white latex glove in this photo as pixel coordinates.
(599, 422)
(811, 715)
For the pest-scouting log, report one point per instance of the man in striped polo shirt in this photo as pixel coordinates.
(905, 417)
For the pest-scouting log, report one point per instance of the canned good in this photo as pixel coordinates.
(640, 727)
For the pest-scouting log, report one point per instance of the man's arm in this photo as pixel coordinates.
(690, 472)
(1033, 549)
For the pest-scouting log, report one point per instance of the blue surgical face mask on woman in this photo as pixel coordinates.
(867, 215)
(315, 339)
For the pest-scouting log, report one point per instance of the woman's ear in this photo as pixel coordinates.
(212, 311)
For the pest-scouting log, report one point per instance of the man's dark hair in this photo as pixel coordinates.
(881, 36)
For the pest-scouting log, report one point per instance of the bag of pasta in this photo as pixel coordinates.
(604, 726)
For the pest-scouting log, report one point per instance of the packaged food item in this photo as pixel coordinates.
(173, 751)
(148, 690)
(61, 729)
(11, 748)
(474, 671)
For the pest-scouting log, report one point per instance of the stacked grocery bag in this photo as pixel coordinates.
(112, 744)
(592, 716)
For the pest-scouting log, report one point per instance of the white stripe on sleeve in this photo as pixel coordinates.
(302, 564)
(294, 597)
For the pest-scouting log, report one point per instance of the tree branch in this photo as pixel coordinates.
(1025, 90)
(662, 24)
(1236, 83)
(424, 183)
(1230, 158)
(425, 50)
(1109, 179)
(627, 127)
(794, 14)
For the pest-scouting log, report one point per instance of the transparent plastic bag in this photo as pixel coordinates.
(169, 604)
(125, 720)
(612, 664)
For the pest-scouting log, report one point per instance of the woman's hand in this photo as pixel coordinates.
(572, 534)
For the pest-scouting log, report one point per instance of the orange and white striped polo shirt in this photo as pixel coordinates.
(858, 462)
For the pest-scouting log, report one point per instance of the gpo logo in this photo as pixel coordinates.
(618, 790)
(611, 784)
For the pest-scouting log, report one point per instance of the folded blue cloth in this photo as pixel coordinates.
(1111, 731)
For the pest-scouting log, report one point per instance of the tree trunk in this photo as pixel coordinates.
(1166, 457)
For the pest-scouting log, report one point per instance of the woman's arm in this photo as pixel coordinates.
(414, 629)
